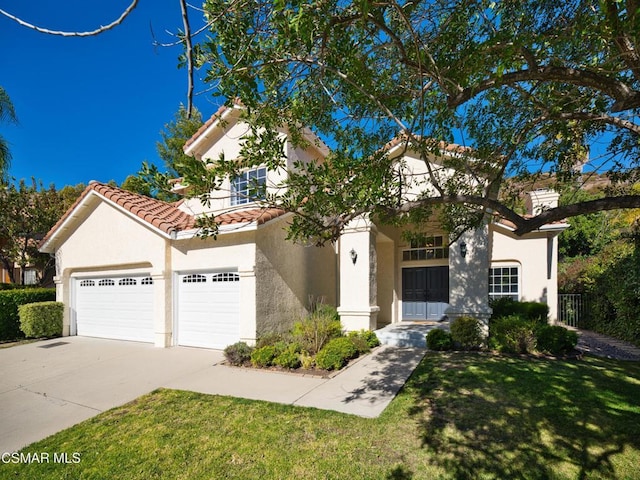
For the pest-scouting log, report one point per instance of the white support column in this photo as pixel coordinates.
(248, 321)
(162, 309)
(62, 295)
(469, 276)
(358, 276)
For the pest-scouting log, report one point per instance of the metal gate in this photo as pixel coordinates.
(572, 309)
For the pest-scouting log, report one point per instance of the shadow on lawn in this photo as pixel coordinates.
(507, 417)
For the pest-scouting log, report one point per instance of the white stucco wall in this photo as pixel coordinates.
(109, 241)
(536, 254)
(288, 276)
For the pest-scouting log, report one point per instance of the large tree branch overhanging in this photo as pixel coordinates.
(625, 97)
(97, 31)
(524, 225)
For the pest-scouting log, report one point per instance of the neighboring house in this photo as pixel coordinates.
(130, 267)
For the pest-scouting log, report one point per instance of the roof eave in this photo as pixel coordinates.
(49, 245)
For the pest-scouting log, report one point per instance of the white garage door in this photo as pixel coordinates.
(209, 309)
(115, 307)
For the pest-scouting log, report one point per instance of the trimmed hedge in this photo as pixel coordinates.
(9, 302)
(466, 333)
(534, 311)
(556, 340)
(439, 340)
(42, 319)
(512, 334)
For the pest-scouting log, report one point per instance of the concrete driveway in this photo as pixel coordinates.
(48, 386)
(51, 385)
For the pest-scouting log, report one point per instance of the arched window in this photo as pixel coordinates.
(225, 277)
(194, 278)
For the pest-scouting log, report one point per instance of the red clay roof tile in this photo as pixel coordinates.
(164, 216)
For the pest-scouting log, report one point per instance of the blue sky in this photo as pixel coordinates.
(91, 108)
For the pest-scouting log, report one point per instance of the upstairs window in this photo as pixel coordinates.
(244, 187)
(428, 248)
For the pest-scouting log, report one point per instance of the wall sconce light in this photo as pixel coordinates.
(354, 256)
(463, 249)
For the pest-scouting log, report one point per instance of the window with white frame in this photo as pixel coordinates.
(30, 277)
(428, 248)
(244, 186)
(504, 281)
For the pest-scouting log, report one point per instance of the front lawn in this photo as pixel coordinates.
(460, 416)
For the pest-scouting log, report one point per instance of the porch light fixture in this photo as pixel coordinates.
(354, 256)
(463, 249)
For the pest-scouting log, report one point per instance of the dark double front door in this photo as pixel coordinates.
(425, 293)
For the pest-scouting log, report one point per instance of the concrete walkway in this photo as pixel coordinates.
(48, 386)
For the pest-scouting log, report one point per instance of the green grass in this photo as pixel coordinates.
(460, 416)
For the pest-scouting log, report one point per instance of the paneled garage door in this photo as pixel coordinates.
(209, 309)
(115, 307)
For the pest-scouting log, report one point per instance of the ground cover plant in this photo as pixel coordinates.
(460, 416)
(316, 341)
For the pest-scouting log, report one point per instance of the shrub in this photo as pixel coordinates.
(9, 302)
(289, 357)
(43, 319)
(317, 329)
(307, 361)
(238, 354)
(364, 340)
(270, 338)
(535, 311)
(263, 356)
(439, 340)
(512, 334)
(555, 340)
(466, 332)
(336, 353)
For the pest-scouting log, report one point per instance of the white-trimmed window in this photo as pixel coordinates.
(30, 277)
(243, 187)
(428, 248)
(504, 281)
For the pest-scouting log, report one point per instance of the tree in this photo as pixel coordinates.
(27, 213)
(8, 114)
(150, 181)
(533, 87)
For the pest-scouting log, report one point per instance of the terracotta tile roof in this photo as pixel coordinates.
(166, 217)
(258, 215)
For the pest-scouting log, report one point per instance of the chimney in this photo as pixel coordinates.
(540, 200)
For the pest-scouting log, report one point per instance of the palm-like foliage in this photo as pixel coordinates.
(7, 114)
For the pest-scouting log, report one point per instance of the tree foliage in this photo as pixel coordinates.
(7, 114)
(532, 86)
(27, 213)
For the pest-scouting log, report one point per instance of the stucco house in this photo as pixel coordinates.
(133, 268)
